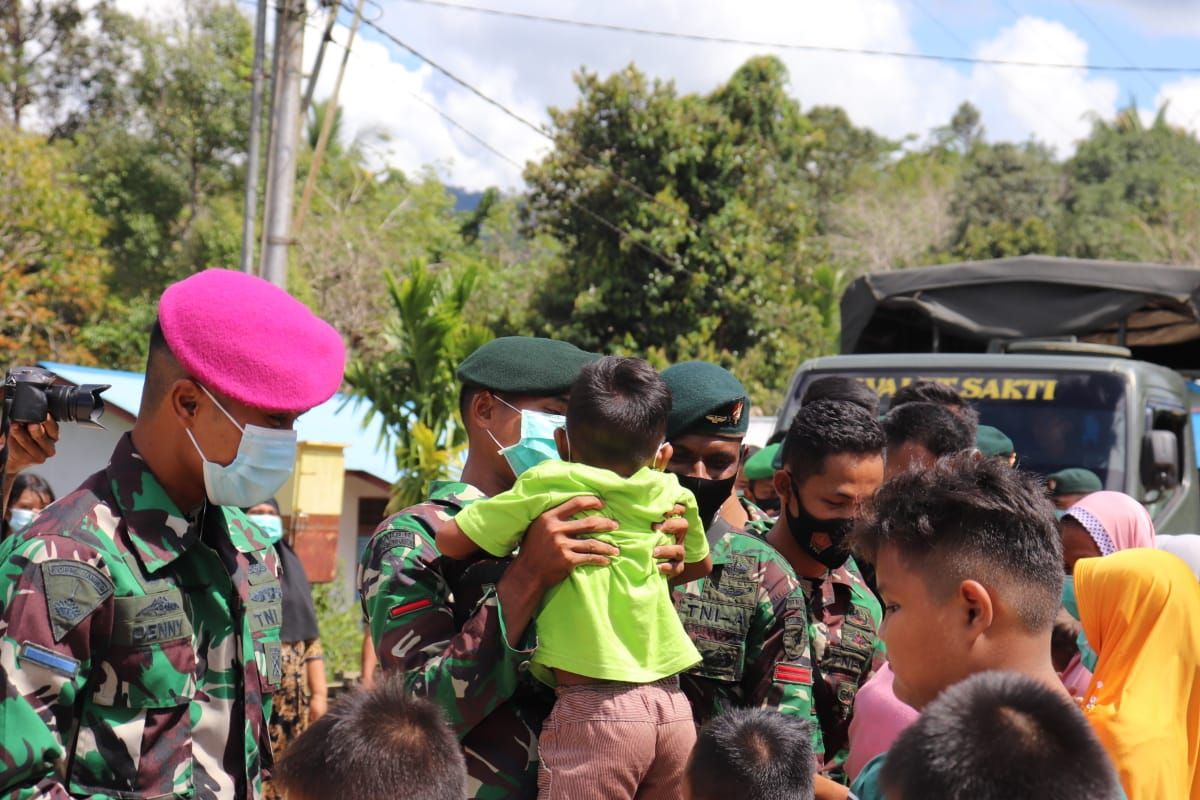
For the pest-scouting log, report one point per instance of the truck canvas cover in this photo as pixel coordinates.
(1151, 308)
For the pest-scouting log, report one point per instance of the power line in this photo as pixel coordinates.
(612, 226)
(1111, 43)
(697, 226)
(861, 51)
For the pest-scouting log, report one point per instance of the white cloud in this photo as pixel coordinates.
(1166, 17)
(1182, 98)
(528, 66)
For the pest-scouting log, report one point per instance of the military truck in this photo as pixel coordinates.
(1081, 363)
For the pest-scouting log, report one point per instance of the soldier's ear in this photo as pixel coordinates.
(184, 397)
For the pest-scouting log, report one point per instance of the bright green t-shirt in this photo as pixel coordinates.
(615, 622)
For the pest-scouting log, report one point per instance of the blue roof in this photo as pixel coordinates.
(339, 420)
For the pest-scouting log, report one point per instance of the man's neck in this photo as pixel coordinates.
(187, 498)
(476, 473)
(805, 566)
(1027, 656)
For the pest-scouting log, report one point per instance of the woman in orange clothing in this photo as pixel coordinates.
(1141, 612)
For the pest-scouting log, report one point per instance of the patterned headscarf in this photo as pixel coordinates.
(1114, 520)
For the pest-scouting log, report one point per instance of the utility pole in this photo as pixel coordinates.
(285, 139)
(252, 154)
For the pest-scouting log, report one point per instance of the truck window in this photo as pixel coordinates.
(1056, 420)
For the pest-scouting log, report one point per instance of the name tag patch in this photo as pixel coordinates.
(153, 619)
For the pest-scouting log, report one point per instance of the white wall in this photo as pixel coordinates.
(347, 547)
(81, 452)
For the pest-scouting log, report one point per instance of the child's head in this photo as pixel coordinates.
(920, 433)
(969, 565)
(997, 736)
(754, 754)
(617, 416)
(941, 394)
(376, 744)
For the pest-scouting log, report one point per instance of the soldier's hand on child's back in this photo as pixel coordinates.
(670, 556)
(551, 547)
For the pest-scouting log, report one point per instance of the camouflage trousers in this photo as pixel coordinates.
(289, 714)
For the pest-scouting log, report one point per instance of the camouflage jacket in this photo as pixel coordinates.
(438, 621)
(846, 650)
(749, 620)
(139, 648)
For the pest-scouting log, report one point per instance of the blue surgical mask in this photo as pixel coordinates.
(537, 439)
(20, 518)
(269, 524)
(265, 460)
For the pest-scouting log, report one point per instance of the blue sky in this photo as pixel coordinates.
(389, 97)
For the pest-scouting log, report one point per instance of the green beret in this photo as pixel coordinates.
(761, 465)
(1076, 480)
(524, 365)
(706, 399)
(992, 442)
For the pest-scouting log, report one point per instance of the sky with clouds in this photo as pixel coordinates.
(528, 66)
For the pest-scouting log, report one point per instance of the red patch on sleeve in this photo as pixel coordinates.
(408, 608)
(787, 673)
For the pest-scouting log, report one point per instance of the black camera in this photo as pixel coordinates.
(30, 393)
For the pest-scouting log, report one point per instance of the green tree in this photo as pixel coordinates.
(1132, 192)
(411, 383)
(52, 261)
(684, 221)
(1005, 201)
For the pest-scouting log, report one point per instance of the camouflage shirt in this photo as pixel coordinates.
(438, 620)
(749, 620)
(139, 647)
(846, 649)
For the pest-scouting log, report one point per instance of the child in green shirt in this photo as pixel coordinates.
(609, 638)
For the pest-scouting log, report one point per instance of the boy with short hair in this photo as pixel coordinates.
(998, 736)
(609, 637)
(752, 754)
(376, 744)
(969, 565)
(920, 433)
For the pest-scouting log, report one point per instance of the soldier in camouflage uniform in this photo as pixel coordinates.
(748, 618)
(462, 631)
(141, 612)
(832, 467)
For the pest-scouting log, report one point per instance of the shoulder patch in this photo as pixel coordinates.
(393, 539)
(73, 591)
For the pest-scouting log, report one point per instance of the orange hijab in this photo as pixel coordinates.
(1141, 612)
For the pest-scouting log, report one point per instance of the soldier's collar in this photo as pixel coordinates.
(243, 534)
(158, 531)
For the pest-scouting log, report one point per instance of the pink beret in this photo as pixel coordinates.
(251, 341)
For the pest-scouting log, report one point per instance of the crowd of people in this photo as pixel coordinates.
(615, 599)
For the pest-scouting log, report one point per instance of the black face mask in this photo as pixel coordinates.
(710, 494)
(770, 505)
(823, 539)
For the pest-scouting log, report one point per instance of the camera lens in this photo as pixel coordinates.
(75, 403)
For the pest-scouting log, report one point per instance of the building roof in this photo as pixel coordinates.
(339, 420)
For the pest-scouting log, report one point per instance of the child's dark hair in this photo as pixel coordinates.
(997, 736)
(617, 414)
(827, 428)
(943, 395)
(840, 387)
(933, 426)
(969, 518)
(753, 754)
(376, 744)
(28, 482)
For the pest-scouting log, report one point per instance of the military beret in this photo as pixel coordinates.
(251, 341)
(761, 465)
(706, 399)
(524, 365)
(1075, 480)
(992, 442)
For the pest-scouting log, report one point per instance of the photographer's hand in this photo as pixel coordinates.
(30, 444)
